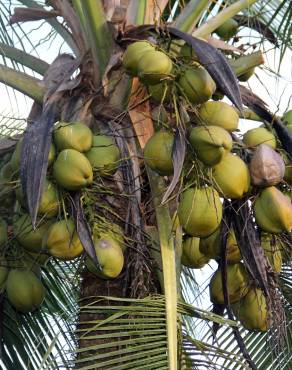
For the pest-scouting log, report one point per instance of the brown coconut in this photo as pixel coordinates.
(267, 167)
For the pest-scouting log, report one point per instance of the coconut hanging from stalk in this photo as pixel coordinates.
(237, 284)
(228, 29)
(153, 67)
(272, 251)
(133, 54)
(273, 211)
(259, 136)
(200, 211)
(210, 246)
(104, 155)
(217, 113)
(266, 167)
(211, 143)
(24, 290)
(62, 240)
(252, 311)
(109, 255)
(231, 176)
(197, 85)
(29, 238)
(73, 135)
(160, 92)
(158, 153)
(192, 257)
(72, 170)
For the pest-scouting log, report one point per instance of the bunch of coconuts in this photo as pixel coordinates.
(75, 156)
(218, 173)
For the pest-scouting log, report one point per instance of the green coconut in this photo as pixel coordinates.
(3, 232)
(158, 153)
(246, 75)
(104, 155)
(187, 53)
(197, 85)
(73, 135)
(200, 211)
(217, 113)
(109, 255)
(287, 117)
(49, 201)
(29, 238)
(259, 135)
(154, 67)
(25, 291)
(272, 252)
(62, 241)
(160, 92)
(132, 55)
(16, 156)
(273, 211)
(191, 254)
(231, 176)
(211, 143)
(210, 246)
(72, 170)
(228, 29)
(237, 284)
(252, 311)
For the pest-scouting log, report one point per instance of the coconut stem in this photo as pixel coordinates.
(246, 62)
(208, 27)
(168, 256)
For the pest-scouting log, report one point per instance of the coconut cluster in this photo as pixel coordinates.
(215, 169)
(76, 159)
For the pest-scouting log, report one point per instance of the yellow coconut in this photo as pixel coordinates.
(228, 29)
(197, 85)
(217, 113)
(154, 67)
(104, 154)
(62, 240)
(237, 284)
(211, 143)
(272, 251)
(109, 255)
(158, 153)
(73, 135)
(72, 170)
(252, 310)
(259, 135)
(16, 156)
(231, 176)
(132, 55)
(30, 239)
(273, 211)
(24, 290)
(160, 92)
(191, 255)
(200, 211)
(3, 232)
(49, 201)
(210, 246)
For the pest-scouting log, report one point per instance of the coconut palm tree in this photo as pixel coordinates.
(156, 314)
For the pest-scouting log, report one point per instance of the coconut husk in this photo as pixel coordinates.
(267, 167)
